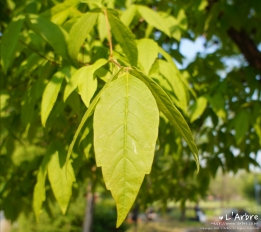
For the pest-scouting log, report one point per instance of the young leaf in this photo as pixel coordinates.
(61, 182)
(169, 110)
(198, 108)
(9, 42)
(50, 95)
(147, 53)
(85, 80)
(55, 35)
(125, 131)
(79, 32)
(124, 37)
(87, 114)
(154, 19)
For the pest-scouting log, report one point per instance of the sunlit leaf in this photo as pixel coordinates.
(198, 108)
(154, 19)
(124, 37)
(147, 53)
(125, 131)
(170, 111)
(61, 181)
(50, 95)
(79, 32)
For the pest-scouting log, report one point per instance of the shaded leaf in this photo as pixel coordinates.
(9, 42)
(53, 34)
(241, 126)
(125, 131)
(170, 111)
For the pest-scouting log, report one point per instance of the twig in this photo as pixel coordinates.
(109, 32)
(39, 54)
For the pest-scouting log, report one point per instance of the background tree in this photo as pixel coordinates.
(56, 57)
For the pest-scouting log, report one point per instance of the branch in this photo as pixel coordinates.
(247, 46)
(109, 32)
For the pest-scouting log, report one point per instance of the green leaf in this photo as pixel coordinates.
(174, 80)
(147, 53)
(154, 19)
(9, 42)
(53, 34)
(95, 2)
(60, 12)
(217, 103)
(79, 32)
(87, 114)
(170, 111)
(241, 126)
(128, 15)
(61, 181)
(39, 189)
(85, 80)
(124, 37)
(258, 128)
(198, 108)
(50, 95)
(125, 131)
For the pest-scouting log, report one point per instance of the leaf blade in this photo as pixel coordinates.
(9, 42)
(50, 95)
(124, 143)
(79, 32)
(170, 111)
(124, 37)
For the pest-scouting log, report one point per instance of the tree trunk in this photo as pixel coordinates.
(87, 224)
(183, 211)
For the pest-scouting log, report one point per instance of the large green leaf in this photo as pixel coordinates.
(87, 114)
(125, 131)
(154, 19)
(55, 35)
(61, 181)
(9, 42)
(169, 110)
(79, 32)
(50, 95)
(147, 53)
(124, 37)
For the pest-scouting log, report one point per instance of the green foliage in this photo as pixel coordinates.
(57, 58)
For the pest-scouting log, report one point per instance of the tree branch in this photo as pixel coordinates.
(247, 46)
